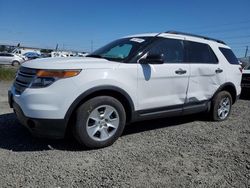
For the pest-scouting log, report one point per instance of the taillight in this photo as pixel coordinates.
(240, 68)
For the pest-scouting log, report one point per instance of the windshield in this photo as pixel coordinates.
(121, 49)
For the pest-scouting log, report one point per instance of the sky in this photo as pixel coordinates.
(81, 25)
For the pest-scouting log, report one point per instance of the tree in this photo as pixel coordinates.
(3, 48)
(46, 51)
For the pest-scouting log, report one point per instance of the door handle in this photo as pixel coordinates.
(218, 70)
(180, 71)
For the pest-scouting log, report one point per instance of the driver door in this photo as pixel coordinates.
(163, 87)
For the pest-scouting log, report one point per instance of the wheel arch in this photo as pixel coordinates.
(229, 87)
(112, 91)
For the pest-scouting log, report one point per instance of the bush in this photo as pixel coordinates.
(7, 73)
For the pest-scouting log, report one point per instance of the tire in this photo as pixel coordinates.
(221, 106)
(15, 63)
(99, 122)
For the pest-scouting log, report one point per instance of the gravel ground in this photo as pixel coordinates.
(186, 151)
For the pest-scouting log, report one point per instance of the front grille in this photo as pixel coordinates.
(23, 79)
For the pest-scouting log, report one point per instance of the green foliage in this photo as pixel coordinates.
(46, 51)
(7, 73)
(3, 48)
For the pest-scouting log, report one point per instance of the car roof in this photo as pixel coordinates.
(181, 35)
(142, 35)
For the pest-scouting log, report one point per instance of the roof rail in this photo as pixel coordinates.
(193, 35)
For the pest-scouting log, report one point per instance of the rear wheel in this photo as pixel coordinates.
(99, 122)
(221, 106)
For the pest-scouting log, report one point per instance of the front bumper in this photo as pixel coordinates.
(49, 128)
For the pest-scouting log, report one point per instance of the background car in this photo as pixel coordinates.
(45, 55)
(11, 59)
(32, 55)
(245, 82)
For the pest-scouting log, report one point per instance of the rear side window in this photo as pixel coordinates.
(199, 53)
(229, 55)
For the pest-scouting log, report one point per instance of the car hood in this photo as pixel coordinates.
(70, 63)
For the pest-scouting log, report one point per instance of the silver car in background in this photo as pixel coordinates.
(11, 59)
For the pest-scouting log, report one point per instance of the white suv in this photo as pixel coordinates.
(134, 78)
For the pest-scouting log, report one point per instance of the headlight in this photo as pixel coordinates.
(45, 78)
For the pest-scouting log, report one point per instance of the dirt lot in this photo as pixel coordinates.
(178, 152)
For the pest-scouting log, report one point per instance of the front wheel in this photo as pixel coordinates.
(99, 122)
(221, 106)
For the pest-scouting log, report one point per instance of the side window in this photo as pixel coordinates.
(229, 56)
(171, 49)
(8, 55)
(200, 53)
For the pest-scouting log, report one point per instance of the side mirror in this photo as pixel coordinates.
(152, 59)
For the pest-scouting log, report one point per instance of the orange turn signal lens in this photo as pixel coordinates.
(58, 73)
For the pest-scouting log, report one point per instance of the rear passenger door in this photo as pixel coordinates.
(206, 74)
(164, 85)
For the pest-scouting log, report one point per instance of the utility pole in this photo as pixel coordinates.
(246, 51)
